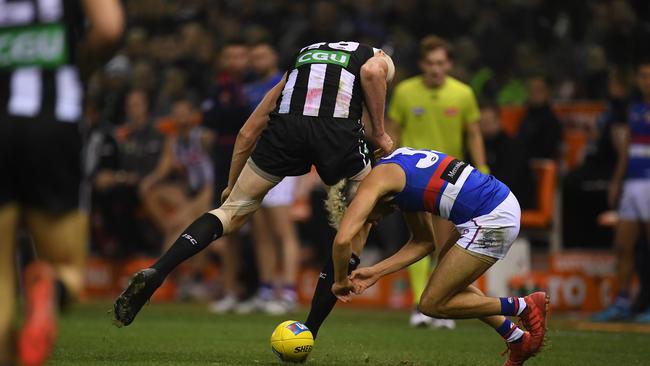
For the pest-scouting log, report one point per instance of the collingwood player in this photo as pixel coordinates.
(41, 95)
(313, 116)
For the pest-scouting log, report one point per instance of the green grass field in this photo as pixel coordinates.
(172, 334)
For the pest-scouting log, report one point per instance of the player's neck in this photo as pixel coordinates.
(431, 84)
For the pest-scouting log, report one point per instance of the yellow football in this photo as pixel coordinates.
(292, 341)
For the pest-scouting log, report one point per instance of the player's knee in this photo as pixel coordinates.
(434, 307)
(225, 217)
(233, 214)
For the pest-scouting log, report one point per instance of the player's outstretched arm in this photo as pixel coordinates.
(381, 181)
(250, 131)
(422, 243)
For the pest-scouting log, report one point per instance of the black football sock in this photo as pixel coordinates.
(194, 239)
(324, 300)
(63, 297)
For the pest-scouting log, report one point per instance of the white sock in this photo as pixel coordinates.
(516, 335)
(522, 305)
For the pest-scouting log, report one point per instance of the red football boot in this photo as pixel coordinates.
(38, 333)
(520, 351)
(534, 317)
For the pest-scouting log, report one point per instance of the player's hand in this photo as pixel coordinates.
(385, 144)
(363, 278)
(343, 290)
(225, 194)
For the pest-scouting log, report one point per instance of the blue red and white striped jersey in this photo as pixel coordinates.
(638, 164)
(445, 186)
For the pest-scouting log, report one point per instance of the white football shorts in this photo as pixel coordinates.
(635, 200)
(492, 234)
(282, 194)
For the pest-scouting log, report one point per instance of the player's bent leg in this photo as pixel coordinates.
(8, 223)
(38, 333)
(494, 320)
(445, 295)
(245, 198)
(62, 241)
(458, 299)
(251, 186)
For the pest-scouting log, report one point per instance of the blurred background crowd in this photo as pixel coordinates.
(163, 114)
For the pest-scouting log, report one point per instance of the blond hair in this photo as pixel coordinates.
(339, 197)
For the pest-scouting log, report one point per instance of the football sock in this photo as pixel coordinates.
(512, 305)
(289, 293)
(419, 275)
(266, 292)
(194, 239)
(622, 300)
(324, 300)
(509, 331)
(63, 296)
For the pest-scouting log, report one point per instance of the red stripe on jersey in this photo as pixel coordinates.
(640, 139)
(432, 191)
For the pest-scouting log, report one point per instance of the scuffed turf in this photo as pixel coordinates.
(172, 334)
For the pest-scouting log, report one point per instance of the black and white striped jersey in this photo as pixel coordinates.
(324, 81)
(38, 78)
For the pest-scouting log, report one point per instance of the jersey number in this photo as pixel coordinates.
(341, 46)
(23, 12)
(429, 159)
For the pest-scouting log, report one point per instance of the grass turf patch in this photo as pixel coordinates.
(186, 334)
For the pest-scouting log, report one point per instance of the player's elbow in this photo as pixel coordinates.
(109, 31)
(342, 240)
(372, 71)
(247, 135)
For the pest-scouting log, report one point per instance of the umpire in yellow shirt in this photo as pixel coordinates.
(435, 111)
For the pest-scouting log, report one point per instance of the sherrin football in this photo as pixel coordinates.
(292, 341)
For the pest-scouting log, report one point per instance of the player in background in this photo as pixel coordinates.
(183, 178)
(274, 232)
(631, 181)
(311, 117)
(435, 111)
(225, 111)
(486, 216)
(41, 97)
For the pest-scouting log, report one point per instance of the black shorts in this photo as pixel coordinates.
(40, 163)
(291, 144)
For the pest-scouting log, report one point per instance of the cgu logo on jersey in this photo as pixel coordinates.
(323, 57)
(31, 34)
(35, 45)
